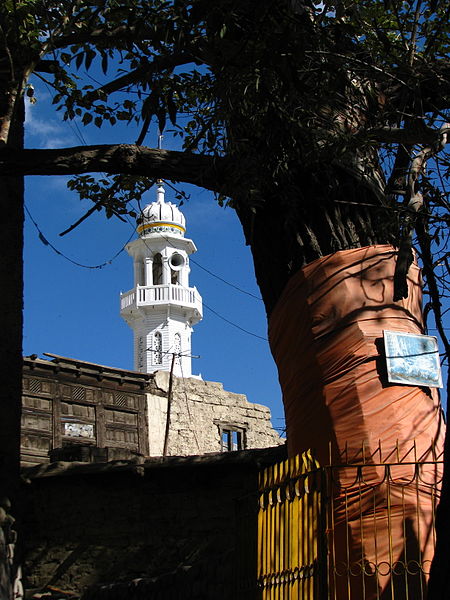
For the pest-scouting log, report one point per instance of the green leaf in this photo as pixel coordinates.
(172, 110)
(87, 118)
(161, 120)
(89, 57)
(104, 63)
(79, 59)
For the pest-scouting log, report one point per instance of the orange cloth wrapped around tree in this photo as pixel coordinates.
(326, 335)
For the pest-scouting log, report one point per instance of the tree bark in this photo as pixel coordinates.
(328, 211)
(205, 171)
(11, 244)
(11, 300)
(331, 211)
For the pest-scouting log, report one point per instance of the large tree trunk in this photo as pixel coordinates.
(329, 210)
(325, 266)
(439, 586)
(11, 244)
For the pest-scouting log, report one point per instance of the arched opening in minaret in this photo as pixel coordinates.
(157, 348)
(177, 349)
(157, 269)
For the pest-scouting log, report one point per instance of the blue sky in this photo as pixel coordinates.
(74, 311)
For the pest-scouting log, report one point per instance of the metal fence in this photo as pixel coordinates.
(360, 530)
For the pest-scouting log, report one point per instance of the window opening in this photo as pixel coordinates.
(177, 348)
(157, 348)
(157, 269)
(232, 439)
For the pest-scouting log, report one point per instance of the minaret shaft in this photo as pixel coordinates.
(161, 308)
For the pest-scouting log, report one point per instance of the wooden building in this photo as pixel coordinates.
(71, 406)
(74, 410)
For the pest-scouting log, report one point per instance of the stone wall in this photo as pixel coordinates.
(68, 402)
(167, 528)
(200, 413)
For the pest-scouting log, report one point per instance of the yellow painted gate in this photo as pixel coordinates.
(290, 531)
(348, 531)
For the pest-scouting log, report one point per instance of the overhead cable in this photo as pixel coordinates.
(45, 241)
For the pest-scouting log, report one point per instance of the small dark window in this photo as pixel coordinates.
(157, 349)
(157, 269)
(232, 439)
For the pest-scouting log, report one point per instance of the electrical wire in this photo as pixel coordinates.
(76, 130)
(235, 324)
(208, 307)
(232, 285)
(45, 241)
(225, 281)
(191, 423)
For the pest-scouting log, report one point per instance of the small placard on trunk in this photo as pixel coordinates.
(412, 359)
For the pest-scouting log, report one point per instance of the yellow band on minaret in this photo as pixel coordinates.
(159, 224)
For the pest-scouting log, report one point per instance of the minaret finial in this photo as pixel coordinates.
(160, 191)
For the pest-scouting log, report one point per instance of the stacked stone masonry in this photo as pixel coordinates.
(200, 412)
(109, 413)
(164, 529)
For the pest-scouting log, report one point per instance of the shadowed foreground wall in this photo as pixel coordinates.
(172, 525)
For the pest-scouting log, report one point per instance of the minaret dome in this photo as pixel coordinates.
(161, 217)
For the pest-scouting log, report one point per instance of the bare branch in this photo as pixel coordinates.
(86, 215)
(415, 203)
(413, 42)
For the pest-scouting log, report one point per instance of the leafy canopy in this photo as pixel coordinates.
(287, 81)
(279, 89)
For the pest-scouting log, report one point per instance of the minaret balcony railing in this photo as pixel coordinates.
(161, 294)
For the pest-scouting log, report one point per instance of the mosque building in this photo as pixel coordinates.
(76, 410)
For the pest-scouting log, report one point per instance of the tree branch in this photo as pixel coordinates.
(415, 203)
(160, 63)
(425, 136)
(101, 34)
(212, 173)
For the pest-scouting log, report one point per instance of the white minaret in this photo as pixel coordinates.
(161, 308)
